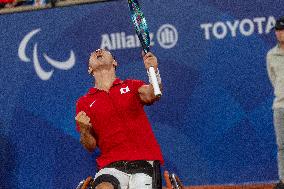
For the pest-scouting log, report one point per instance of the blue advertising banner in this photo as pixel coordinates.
(213, 122)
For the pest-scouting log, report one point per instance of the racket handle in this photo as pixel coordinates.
(155, 83)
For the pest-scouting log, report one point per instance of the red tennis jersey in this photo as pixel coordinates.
(121, 127)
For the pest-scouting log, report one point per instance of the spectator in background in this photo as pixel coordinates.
(7, 3)
(44, 2)
(39, 3)
(275, 68)
(35, 3)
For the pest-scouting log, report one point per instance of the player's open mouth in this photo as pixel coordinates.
(100, 57)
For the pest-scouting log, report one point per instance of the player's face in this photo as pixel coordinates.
(101, 58)
(280, 35)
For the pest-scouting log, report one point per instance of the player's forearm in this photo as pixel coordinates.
(88, 141)
(147, 94)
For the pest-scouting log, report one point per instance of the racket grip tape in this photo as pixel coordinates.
(155, 83)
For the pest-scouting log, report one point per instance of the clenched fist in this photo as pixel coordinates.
(84, 122)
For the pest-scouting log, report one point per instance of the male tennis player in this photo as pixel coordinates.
(111, 117)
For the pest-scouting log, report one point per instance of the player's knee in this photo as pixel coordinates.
(106, 181)
(105, 185)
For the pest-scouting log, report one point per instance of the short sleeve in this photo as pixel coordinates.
(136, 84)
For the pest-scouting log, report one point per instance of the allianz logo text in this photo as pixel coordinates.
(167, 37)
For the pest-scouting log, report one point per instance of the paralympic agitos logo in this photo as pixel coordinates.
(43, 74)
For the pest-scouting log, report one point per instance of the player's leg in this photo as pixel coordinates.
(279, 132)
(140, 181)
(148, 177)
(105, 185)
(111, 178)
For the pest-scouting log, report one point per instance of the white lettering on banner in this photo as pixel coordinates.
(42, 74)
(245, 27)
(115, 41)
(167, 37)
(250, 27)
(222, 30)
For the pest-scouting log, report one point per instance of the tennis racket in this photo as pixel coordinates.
(142, 32)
